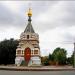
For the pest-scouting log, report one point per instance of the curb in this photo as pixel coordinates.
(35, 69)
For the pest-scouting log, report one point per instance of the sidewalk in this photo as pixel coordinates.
(41, 68)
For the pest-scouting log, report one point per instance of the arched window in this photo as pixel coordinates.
(27, 36)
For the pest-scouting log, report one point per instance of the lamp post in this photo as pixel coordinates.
(74, 56)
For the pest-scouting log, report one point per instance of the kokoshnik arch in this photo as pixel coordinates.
(28, 50)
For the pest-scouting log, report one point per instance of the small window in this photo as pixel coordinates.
(35, 51)
(27, 36)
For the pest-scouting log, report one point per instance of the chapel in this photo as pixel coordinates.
(28, 50)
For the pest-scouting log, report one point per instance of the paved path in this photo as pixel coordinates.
(42, 68)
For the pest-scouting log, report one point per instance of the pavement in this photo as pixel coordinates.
(40, 68)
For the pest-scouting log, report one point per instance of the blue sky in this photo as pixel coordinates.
(54, 21)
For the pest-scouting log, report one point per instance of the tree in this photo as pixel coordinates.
(69, 61)
(51, 58)
(45, 60)
(59, 55)
(8, 51)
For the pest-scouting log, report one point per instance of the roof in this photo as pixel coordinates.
(29, 28)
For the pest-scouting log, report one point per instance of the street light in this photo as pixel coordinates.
(74, 56)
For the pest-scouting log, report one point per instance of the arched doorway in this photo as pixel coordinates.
(27, 54)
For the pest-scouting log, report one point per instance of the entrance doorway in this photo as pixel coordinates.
(27, 54)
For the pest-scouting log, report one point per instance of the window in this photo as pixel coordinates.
(19, 52)
(32, 52)
(35, 51)
(27, 36)
(22, 51)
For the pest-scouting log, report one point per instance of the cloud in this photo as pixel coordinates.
(5, 15)
(60, 14)
(54, 21)
(58, 37)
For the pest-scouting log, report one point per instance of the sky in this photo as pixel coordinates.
(54, 21)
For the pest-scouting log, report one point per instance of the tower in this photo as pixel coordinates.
(28, 50)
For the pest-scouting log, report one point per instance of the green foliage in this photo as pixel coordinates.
(70, 60)
(51, 57)
(46, 63)
(45, 60)
(23, 63)
(59, 55)
(8, 51)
